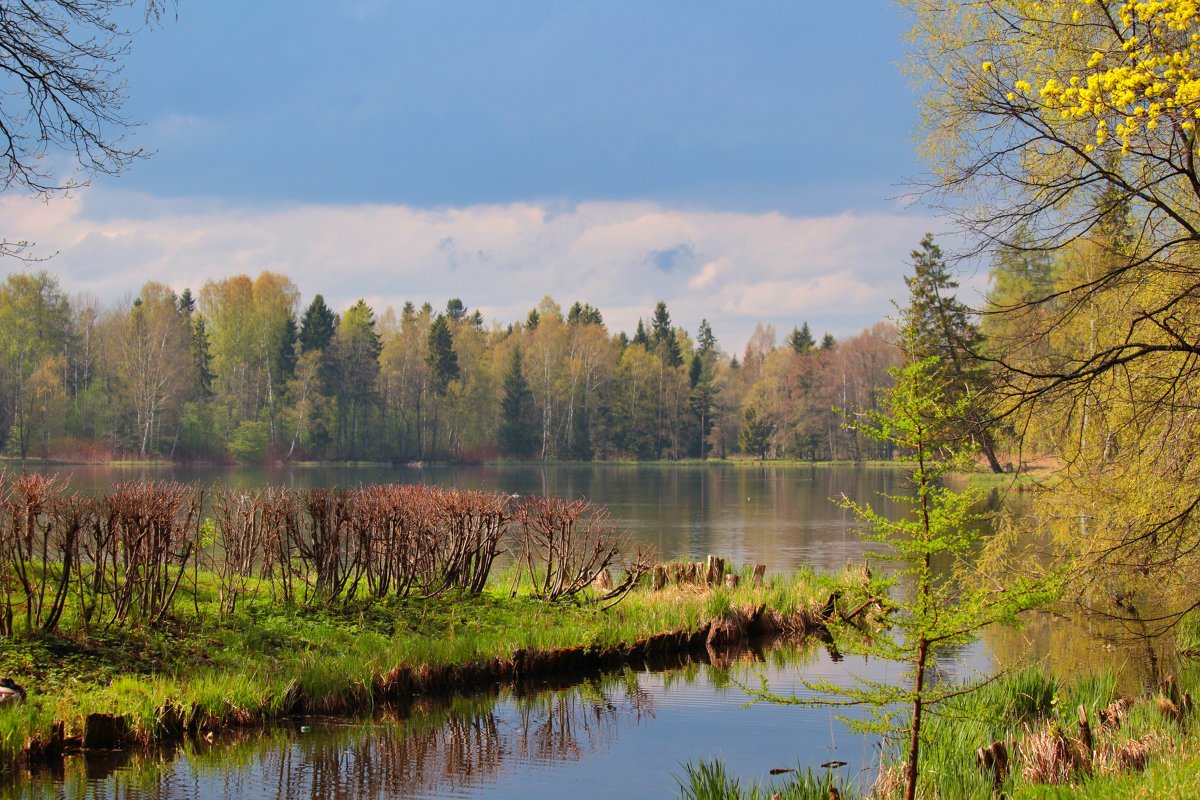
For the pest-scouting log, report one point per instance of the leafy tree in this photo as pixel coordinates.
(156, 341)
(934, 608)
(354, 355)
(455, 310)
(518, 432)
(35, 321)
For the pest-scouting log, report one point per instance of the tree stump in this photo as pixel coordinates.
(993, 759)
(660, 577)
(603, 581)
(1085, 736)
(732, 581)
(104, 732)
(760, 571)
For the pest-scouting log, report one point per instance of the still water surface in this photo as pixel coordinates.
(622, 734)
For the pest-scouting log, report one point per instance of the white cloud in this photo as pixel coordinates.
(735, 269)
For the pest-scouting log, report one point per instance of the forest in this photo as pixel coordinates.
(241, 370)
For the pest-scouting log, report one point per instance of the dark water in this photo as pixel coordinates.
(623, 734)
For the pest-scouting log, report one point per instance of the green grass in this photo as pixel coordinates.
(709, 780)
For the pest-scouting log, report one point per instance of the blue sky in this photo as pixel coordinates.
(740, 161)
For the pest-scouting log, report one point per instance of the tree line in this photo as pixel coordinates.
(242, 370)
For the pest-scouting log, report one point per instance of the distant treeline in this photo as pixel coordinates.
(242, 370)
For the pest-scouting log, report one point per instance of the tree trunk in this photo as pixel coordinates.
(914, 740)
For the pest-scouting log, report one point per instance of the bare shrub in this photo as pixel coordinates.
(136, 548)
(331, 556)
(39, 545)
(248, 524)
(565, 544)
(465, 539)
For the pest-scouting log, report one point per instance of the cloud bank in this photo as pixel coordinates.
(839, 273)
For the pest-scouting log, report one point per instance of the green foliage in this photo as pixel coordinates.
(801, 341)
(441, 359)
(250, 442)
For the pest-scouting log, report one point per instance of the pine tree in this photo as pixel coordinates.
(640, 336)
(662, 337)
(517, 434)
(828, 342)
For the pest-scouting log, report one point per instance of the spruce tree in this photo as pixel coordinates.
(287, 348)
(801, 339)
(317, 326)
(937, 325)
(441, 358)
(517, 434)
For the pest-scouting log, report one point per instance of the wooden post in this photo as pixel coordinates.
(660, 577)
(732, 581)
(710, 571)
(760, 570)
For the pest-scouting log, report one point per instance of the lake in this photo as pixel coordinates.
(626, 733)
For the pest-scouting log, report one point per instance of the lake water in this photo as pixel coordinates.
(622, 734)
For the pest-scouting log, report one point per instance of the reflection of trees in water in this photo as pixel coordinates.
(565, 725)
(1082, 644)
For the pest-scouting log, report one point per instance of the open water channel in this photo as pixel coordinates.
(621, 734)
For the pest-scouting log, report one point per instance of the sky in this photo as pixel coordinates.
(745, 163)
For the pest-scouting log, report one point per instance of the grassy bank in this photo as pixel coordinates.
(1144, 746)
(205, 670)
